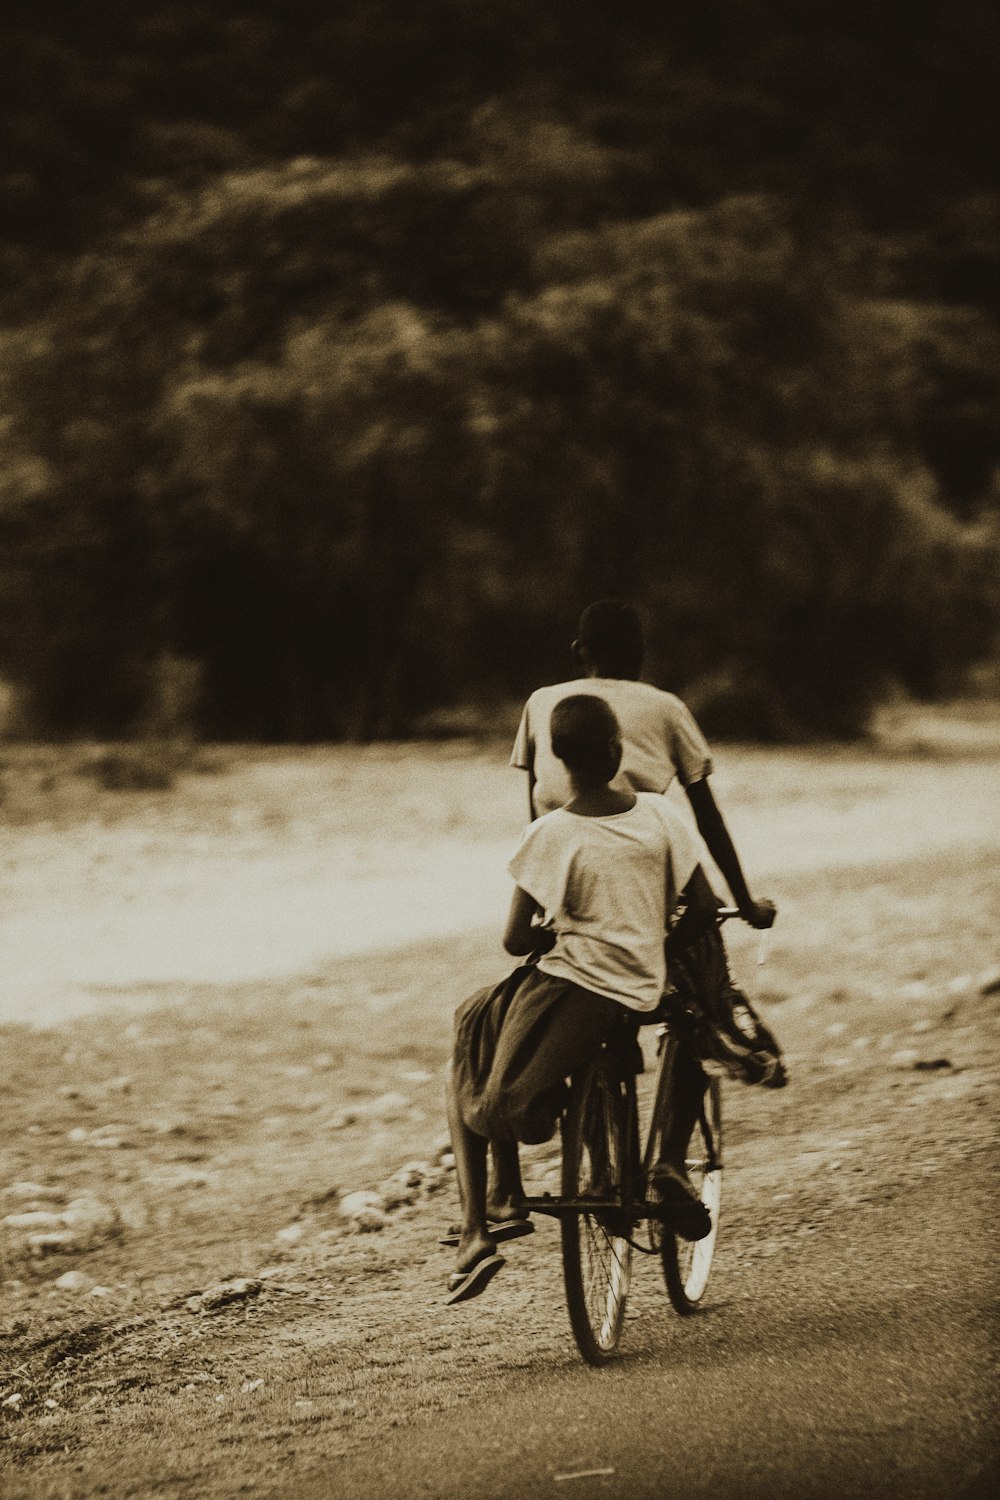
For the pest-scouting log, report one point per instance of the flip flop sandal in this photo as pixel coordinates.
(463, 1285)
(503, 1229)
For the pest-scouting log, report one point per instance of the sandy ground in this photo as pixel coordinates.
(268, 865)
(227, 1006)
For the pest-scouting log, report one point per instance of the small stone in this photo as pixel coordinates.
(77, 1133)
(225, 1292)
(924, 1024)
(353, 1204)
(122, 1085)
(99, 1291)
(989, 983)
(71, 1281)
(33, 1219)
(32, 1192)
(369, 1221)
(413, 1174)
(50, 1241)
(906, 1057)
(292, 1234)
(91, 1219)
(68, 1091)
(396, 1194)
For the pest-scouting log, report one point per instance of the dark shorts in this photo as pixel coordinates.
(515, 1046)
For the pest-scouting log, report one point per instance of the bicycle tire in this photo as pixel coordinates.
(597, 1255)
(687, 1263)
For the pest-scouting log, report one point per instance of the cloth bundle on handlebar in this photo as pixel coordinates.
(704, 1007)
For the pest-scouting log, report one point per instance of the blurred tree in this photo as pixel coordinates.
(349, 352)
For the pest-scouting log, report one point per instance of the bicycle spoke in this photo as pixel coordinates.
(605, 1285)
(595, 1259)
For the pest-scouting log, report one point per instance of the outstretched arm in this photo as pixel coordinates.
(712, 827)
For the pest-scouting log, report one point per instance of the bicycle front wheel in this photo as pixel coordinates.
(597, 1255)
(686, 1264)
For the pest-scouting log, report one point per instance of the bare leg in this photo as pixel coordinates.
(669, 1175)
(504, 1199)
(470, 1168)
(687, 1085)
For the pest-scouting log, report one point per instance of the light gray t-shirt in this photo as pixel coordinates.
(660, 739)
(607, 886)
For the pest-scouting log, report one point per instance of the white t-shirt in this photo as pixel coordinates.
(607, 886)
(660, 739)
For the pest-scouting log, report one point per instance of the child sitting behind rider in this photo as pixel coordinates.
(604, 873)
(661, 741)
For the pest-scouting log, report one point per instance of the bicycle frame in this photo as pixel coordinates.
(606, 1173)
(637, 1209)
(632, 1202)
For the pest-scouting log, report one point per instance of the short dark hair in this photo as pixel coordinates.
(612, 635)
(581, 728)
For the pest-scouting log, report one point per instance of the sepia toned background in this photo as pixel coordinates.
(346, 352)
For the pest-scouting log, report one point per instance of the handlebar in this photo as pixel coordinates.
(724, 913)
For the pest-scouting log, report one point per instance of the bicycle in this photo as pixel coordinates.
(605, 1197)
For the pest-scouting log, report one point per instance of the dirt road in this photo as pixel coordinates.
(856, 1361)
(848, 1342)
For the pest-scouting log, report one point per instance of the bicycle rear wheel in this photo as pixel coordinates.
(597, 1256)
(686, 1264)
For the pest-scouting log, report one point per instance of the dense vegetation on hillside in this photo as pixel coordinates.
(349, 348)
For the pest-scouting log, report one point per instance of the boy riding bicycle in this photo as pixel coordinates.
(604, 873)
(660, 742)
(660, 738)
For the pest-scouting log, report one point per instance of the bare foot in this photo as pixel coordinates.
(472, 1247)
(503, 1209)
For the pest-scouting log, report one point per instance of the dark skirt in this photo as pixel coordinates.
(516, 1045)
